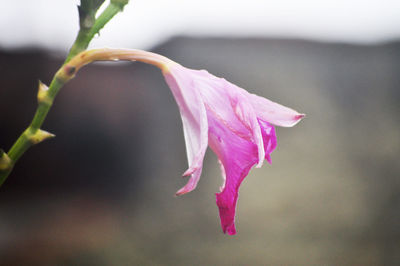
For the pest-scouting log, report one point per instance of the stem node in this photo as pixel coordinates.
(43, 95)
(5, 161)
(90, 25)
(37, 136)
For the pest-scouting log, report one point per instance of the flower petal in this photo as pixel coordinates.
(273, 112)
(245, 112)
(231, 106)
(237, 156)
(269, 138)
(194, 120)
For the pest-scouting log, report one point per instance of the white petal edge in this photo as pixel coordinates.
(194, 120)
(274, 113)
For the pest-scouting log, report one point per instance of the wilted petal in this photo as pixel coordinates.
(269, 138)
(194, 120)
(230, 105)
(236, 125)
(237, 156)
(245, 112)
(274, 113)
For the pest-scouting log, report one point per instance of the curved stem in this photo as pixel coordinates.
(108, 54)
(33, 134)
(86, 35)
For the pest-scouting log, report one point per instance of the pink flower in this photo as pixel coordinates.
(237, 125)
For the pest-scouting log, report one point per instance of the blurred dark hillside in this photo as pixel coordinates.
(100, 193)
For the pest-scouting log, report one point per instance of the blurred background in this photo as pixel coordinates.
(101, 192)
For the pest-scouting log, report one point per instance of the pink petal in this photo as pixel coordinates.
(237, 156)
(231, 106)
(269, 138)
(236, 125)
(273, 112)
(194, 119)
(246, 114)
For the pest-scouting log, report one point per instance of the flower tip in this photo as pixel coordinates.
(300, 116)
(189, 171)
(260, 163)
(296, 119)
(230, 230)
(182, 191)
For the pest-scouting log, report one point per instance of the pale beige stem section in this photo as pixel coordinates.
(107, 54)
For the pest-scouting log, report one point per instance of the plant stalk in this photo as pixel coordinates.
(33, 134)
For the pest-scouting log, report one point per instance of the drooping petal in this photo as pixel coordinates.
(269, 138)
(194, 120)
(274, 113)
(246, 114)
(237, 156)
(234, 123)
(231, 106)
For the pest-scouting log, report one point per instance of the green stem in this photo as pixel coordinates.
(5, 164)
(33, 134)
(86, 35)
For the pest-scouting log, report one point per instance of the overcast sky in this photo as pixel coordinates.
(144, 23)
